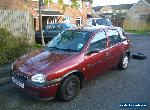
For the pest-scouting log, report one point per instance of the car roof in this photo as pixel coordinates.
(55, 23)
(100, 18)
(97, 28)
(60, 24)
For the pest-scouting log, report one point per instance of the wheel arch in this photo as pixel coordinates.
(128, 53)
(77, 73)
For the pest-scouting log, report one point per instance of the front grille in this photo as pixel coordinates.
(21, 77)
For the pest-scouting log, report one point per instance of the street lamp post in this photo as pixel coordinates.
(40, 23)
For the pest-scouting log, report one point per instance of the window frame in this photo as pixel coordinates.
(111, 45)
(100, 49)
(80, 19)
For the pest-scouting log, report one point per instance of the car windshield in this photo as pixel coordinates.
(105, 22)
(70, 40)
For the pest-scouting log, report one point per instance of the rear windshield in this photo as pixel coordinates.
(105, 22)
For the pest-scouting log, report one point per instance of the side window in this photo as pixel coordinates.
(59, 27)
(99, 41)
(122, 35)
(114, 37)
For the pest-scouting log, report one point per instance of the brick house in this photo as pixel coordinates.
(138, 17)
(51, 12)
(103, 10)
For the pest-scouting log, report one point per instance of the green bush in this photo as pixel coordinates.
(11, 46)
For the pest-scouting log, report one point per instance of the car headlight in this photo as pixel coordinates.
(12, 65)
(39, 78)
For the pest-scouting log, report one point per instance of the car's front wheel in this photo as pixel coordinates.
(69, 88)
(123, 64)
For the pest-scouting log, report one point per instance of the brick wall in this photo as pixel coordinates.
(18, 5)
(11, 5)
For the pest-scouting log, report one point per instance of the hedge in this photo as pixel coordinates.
(11, 47)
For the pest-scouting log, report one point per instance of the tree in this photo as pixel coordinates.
(74, 4)
(61, 6)
(40, 23)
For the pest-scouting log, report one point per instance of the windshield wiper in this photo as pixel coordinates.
(54, 48)
(70, 50)
(67, 49)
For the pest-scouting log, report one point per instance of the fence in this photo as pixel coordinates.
(136, 24)
(18, 23)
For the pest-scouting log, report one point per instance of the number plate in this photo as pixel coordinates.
(18, 83)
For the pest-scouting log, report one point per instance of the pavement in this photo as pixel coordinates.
(105, 92)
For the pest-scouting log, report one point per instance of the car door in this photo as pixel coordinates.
(96, 56)
(115, 47)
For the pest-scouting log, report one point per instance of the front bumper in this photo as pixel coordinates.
(42, 92)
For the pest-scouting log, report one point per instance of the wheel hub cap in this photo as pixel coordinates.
(125, 61)
(71, 88)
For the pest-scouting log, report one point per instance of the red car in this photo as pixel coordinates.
(73, 56)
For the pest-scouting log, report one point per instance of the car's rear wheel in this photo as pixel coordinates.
(123, 64)
(69, 88)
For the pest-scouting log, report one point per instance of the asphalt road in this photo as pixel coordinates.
(105, 92)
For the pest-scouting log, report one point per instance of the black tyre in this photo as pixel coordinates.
(123, 64)
(139, 56)
(69, 88)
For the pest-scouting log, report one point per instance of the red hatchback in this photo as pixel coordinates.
(73, 56)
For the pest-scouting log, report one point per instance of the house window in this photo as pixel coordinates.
(144, 17)
(79, 21)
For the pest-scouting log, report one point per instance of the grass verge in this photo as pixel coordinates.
(138, 32)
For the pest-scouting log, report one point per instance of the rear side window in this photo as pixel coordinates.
(99, 41)
(59, 27)
(122, 34)
(114, 37)
(105, 22)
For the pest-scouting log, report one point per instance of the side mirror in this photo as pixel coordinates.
(91, 52)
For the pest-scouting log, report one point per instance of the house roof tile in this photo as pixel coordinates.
(115, 7)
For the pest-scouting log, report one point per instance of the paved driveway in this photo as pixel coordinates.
(105, 92)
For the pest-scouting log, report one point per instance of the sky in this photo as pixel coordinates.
(112, 2)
